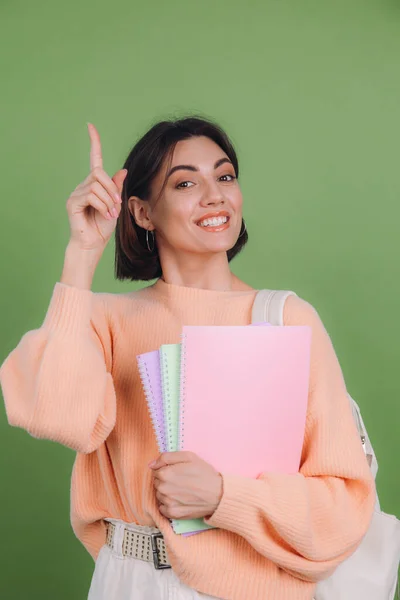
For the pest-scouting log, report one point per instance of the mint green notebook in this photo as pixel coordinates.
(170, 362)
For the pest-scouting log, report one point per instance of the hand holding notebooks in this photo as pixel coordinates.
(236, 399)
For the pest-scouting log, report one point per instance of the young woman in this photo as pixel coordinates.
(176, 208)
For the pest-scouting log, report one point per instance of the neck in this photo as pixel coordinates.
(212, 273)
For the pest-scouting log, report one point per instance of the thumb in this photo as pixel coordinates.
(158, 463)
(172, 458)
(119, 179)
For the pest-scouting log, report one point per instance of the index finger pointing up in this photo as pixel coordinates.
(96, 159)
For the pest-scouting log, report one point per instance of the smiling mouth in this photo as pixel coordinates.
(214, 222)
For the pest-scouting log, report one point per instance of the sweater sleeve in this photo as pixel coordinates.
(308, 523)
(57, 383)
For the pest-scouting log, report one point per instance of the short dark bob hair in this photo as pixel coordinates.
(133, 260)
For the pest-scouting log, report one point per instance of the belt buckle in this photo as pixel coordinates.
(154, 537)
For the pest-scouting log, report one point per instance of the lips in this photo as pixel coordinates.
(214, 215)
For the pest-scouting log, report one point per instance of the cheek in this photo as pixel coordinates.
(236, 198)
(171, 213)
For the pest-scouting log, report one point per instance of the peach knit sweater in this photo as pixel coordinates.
(75, 380)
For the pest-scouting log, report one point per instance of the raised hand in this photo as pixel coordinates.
(95, 204)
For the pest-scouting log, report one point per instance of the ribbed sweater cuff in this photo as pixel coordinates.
(240, 503)
(236, 502)
(69, 309)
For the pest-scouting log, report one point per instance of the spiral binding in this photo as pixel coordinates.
(149, 394)
(166, 397)
(182, 393)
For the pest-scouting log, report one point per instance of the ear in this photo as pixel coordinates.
(141, 212)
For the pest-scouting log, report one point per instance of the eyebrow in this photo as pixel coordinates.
(219, 162)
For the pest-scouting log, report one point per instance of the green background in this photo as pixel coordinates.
(310, 94)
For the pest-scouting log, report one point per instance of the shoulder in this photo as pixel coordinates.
(109, 300)
(113, 310)
(298, 311)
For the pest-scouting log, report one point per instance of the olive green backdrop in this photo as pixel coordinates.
(310, 93)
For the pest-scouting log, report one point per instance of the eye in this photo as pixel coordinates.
(232, 177)
(184, 184)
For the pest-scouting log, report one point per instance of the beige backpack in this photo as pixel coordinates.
(370, 573)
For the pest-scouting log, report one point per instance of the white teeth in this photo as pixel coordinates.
(214, 222)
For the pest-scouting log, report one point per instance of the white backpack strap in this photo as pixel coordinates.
(366, 443)
(269, 305)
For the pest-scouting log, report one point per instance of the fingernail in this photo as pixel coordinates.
(108, 215)
(117, 197)
(114, 212)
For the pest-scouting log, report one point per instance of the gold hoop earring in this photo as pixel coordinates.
(147, 240)
(244, 230)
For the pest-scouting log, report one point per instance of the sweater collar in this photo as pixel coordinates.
(192, 293)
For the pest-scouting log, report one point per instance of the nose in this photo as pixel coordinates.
(213, 195)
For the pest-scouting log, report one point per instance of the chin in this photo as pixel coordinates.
(216, 242)
(220, 247)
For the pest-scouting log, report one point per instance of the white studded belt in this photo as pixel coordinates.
(142, 545)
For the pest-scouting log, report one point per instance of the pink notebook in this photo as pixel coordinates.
(244, 395)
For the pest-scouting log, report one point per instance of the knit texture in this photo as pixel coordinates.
(75, 380)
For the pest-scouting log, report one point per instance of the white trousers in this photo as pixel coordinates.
(118, 577)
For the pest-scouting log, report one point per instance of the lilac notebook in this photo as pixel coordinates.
(150, 374)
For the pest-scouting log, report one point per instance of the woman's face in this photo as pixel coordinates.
(200, 210)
